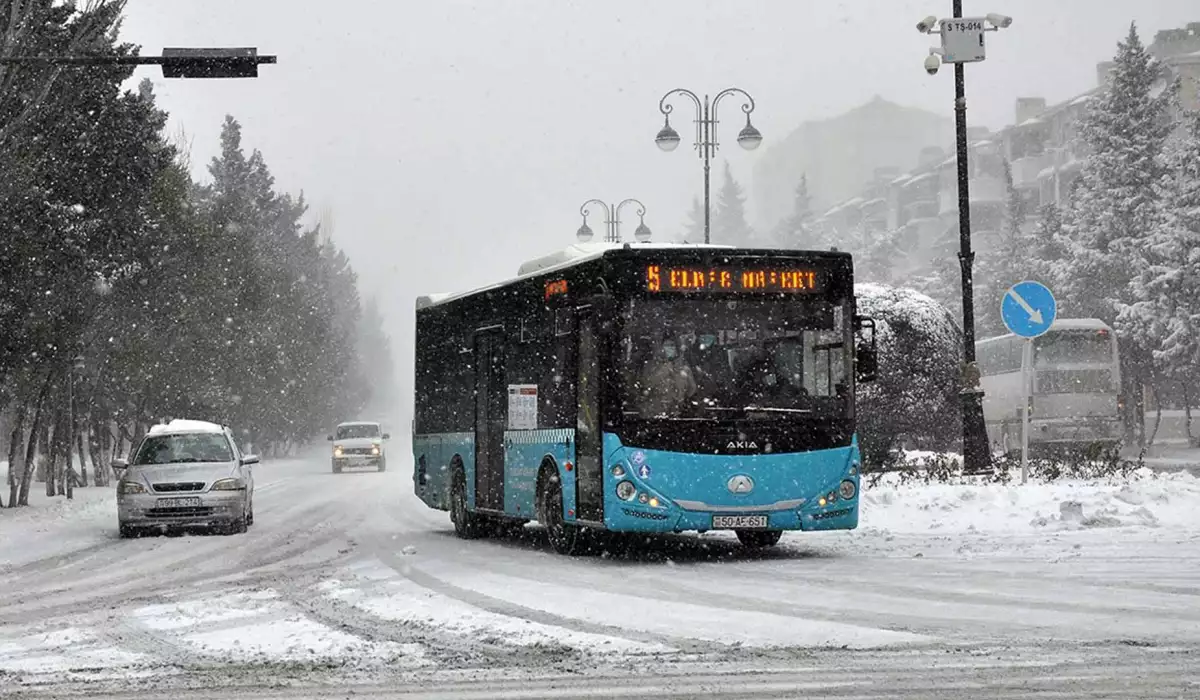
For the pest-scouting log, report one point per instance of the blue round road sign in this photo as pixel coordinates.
(1028, 309)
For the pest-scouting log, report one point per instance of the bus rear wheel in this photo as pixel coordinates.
(758, 539)
(467, 525)
(566, 538)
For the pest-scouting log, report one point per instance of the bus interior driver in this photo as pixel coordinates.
(666, 381)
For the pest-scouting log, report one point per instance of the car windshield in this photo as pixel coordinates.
(356, 431)
(704, 359)
(175, 449)
(1076, 348)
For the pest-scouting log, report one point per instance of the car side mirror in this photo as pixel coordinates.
(866, 354)
(119, 466)
(387, 436)
(249, 459)
(329, 438)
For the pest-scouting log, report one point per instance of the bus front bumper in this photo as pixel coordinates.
(638, 517)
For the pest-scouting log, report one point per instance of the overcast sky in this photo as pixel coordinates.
(453, 139)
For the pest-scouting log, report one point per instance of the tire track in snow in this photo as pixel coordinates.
(509, 609)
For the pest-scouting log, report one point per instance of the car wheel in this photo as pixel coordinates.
(467, 525)
(128, 531)
(236, 527)
(250, 515)
(382, 464)
(337, 468)
(758, 539)
(566, 538)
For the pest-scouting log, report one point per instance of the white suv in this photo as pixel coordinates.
(359, 444)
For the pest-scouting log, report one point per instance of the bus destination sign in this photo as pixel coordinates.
(661, 278)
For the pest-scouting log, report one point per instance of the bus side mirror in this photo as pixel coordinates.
(866, 354)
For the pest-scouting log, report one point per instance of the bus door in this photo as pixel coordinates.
(589, 465)
(490, 408)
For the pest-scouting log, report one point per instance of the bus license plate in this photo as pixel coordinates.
(738, 522)
(179, 503)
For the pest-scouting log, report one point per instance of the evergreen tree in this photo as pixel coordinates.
(729, 225)
(1048, 248)
(1166, 306)
(1003, 262)
(797, 230)
(1116, 204)
(694, 228)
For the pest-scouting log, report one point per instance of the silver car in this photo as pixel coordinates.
(186, 474)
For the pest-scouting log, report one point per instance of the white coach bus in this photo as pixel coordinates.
(1076, 399)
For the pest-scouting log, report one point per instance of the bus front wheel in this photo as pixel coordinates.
(758, 539)
(467, 525)
(566, 538)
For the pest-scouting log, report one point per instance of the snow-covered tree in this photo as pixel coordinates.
(1166, 306)
(1004, 261)
(729, 225)
(914, 400)
(797, 230)
(1116, 204)
(693, 231)
(1047, 254)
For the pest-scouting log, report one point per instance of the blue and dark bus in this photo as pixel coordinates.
(645, 388)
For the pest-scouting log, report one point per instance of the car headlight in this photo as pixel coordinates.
(228, 485)
(337, 450)
(375, 450)
(626, 490)
(127, 487)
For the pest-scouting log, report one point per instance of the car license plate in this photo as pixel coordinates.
(738, 522)
(179, 503)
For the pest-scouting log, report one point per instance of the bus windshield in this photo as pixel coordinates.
(712, 358)
(1076, 348)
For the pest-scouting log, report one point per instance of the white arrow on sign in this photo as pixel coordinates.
(1035, 315)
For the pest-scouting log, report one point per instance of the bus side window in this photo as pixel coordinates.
(564, 322)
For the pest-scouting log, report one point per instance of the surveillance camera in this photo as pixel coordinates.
(932, 64)
(926, 25)
(999, 21)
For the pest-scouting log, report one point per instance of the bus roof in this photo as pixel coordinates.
(1064, 324)
(567, 257)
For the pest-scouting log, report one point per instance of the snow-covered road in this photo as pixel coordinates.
(1076, 588)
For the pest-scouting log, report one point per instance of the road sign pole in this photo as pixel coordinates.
(1028, 310)
(1026, 394)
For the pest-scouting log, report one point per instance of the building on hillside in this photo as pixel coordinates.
(1042, 147)
(837, 154)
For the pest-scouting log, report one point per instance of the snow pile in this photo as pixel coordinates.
(1146, 500)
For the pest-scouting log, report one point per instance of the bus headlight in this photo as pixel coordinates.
(626, 490)
(847, 489)
(618, 470)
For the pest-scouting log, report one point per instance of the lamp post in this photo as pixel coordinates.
(612, 221)
(963, 42)
(706, 144)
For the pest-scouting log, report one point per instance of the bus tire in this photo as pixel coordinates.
(758, 539)
(566, 538)
(467, 525)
